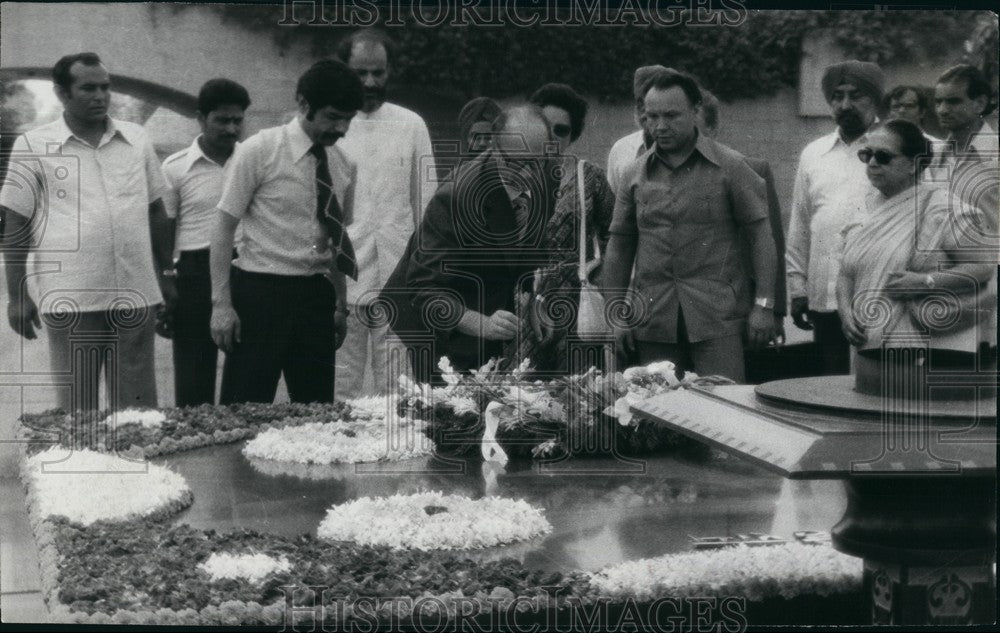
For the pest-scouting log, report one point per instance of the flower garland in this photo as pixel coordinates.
(753, 573)
(86, 486)
(251, 567)
(342, 443)
(147, 418)
(432, 521)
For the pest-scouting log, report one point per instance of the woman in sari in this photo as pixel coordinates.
(548, 316)
(910, 273)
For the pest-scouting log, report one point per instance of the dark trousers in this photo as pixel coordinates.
(715, 357)
(195, 354)
(832, 348)
(286, 328)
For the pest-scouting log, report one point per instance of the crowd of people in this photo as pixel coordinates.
(320, 250)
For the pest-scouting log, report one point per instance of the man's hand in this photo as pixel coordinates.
(501, 326)
(168, 288)
(853, 332)
(23, 316)
(760, 327)
(339, 328)
(906, 285)
(164, 322)
(225, 327)
(800, 316)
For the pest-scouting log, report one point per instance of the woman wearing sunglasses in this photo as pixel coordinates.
(553, 309)
(910, 264)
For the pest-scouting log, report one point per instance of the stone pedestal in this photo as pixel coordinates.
(928, 544)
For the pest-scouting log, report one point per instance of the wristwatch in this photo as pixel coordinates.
(169, 272)
(764, 302)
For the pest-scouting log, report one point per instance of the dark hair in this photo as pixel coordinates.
(370, 36)
(899, 91)
(60, 72)
(709, 109)
(912, 142)
(221, 92)
(330, 83)
(563, 96)
(976, 84)
(670, 78)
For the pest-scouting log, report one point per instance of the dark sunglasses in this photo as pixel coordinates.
(560, 130)
(882, 157)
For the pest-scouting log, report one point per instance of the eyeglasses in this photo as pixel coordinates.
(882, 157)
(561, 130)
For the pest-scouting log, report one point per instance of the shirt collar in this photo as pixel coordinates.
(298, 140)
(194, 154)
(833, 139)
(63, 133)
(704, 146)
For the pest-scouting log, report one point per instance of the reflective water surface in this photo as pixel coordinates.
(600, 513)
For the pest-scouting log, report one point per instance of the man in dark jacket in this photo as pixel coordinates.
(453, 293)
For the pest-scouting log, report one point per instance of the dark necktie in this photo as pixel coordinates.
(330, 215)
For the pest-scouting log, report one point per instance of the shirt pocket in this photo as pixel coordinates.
(124, 173)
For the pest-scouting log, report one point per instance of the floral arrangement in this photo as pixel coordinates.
(342, 442)
(179, 429)
(546, 418)
(251, 567)
(433, 521)
(85, 486)
(147, 418)
(754, 573)
(152, 572)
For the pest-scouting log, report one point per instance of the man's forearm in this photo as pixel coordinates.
(764, 259)
(14, 243)
(617, 266)
(162, 230)
(471, 323)
(221, 257)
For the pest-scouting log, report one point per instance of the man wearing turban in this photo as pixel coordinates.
(830, 186)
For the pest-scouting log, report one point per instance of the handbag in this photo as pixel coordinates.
(590, 319)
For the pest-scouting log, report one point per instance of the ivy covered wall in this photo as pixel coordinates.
(754, 58)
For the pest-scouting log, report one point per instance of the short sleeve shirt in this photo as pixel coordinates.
(270, 186)
(688, 257)
(194, 187)
(89, 213)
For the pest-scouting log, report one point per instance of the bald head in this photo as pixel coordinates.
(522, 130)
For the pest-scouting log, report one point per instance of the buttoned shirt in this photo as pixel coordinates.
(830, 187)
(194, 187)
(89, 213)
(270, 186)
(686, 222)
(623, 153)
(395, 180)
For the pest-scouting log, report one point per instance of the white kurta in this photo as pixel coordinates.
(395, 180)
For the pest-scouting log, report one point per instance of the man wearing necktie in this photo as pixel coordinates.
(280, 308)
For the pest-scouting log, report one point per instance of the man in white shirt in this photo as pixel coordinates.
(392, 150)
(83, 194)
(961, 100)
(830, 186)
(194, 187)
(626, 149)
(279, 308)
